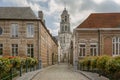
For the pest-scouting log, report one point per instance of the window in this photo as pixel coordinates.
(82, 49)
(62, 28)
(14, 49)
(30, 30)
(1, 49)
(14, 30)
(1, 31)
(93, 49)
(65, 18)
(116, 46)
(65, 28)
(30, 50)
(64, 39)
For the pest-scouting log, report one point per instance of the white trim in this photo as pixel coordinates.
(31, 26)
(82, 49)
(93, 54)
(14, 26)
(89, 29)
(115, 46)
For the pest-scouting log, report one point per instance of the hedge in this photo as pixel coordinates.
(6, 63)
(106, 64)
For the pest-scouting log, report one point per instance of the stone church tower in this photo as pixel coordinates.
(65, 34)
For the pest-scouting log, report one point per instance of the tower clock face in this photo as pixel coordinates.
(1, 31)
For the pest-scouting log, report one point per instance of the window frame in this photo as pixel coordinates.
(82, 54)
(14, 50)
(94, 49)
(1, 47)
(30, 34)
(30, 47)
(14, 30)
(115, 42)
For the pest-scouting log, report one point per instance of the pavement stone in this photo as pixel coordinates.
(30, 75)
(59, 72)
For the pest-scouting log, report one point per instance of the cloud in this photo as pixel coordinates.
(79, 10)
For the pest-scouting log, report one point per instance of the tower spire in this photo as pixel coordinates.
(64, 5)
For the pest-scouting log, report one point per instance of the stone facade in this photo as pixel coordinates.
(40, 45)
(49, 48)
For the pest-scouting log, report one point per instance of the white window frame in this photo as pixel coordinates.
(30, 30)
(14, 30)
(94, 48)
(30, 48)
(115, 51)
(82, 54)
(14, 49)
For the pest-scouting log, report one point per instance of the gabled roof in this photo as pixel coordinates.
(17, 13)
(101, 20)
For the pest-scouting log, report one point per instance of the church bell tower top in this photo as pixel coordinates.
(65, 11)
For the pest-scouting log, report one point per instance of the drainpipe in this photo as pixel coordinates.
(39, 45)
(98, 42)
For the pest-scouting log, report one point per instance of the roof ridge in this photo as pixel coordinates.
(101, 20)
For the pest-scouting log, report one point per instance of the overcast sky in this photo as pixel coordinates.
(79, 10)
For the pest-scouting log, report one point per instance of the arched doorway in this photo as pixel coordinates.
(52, 58)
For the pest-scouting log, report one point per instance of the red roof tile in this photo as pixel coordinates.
(101, 20)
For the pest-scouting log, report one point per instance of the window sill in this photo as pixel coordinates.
(115, 55)
(29, 37)
(14, 37)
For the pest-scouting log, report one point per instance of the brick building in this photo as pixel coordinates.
(98, 35)
(23, 34)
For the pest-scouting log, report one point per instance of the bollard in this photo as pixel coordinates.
(26, 66)
(20, 70)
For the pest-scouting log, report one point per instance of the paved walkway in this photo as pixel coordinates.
(59, 72)
(93, 76)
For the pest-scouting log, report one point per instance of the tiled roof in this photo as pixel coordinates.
(17, 13)
(101, 20)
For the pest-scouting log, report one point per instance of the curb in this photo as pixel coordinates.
(89, 77)
(92, 76)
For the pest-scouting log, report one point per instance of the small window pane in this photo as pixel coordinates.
(30, 30)
(14, 49)
(30, 50)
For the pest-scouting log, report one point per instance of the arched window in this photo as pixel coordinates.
(65, 18)
(66, 28)
(62, 28)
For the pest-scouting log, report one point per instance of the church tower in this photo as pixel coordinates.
(65, 33)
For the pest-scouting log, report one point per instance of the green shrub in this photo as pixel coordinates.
(101, 62)
(5, 65)
(94, 62)
(31, 61)
(111, 66)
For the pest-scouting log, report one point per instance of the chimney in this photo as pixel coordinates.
(41, 16)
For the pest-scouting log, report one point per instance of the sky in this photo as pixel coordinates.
(79, 10)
